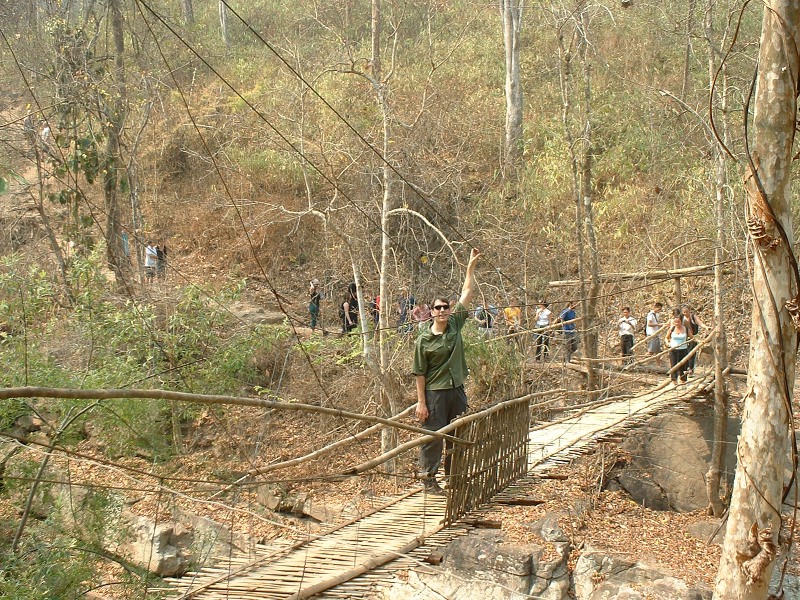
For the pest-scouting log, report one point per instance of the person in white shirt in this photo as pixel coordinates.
(651, 328)
(150, 261)
(627, 325)
(543, 319)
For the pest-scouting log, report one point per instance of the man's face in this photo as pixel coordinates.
(626, 313)
(440, 310)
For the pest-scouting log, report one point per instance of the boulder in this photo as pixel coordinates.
(212, 538)
(710, 530)
(301, 504)
(790, 587)
(483, 564)
(600, 576)
(162, 549)
(670, 457)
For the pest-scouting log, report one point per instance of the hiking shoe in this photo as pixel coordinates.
(431, 486)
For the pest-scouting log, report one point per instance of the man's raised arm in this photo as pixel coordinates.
(469, 281)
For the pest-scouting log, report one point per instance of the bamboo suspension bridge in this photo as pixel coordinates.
(504, 462)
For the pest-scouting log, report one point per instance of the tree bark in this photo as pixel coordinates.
(591, 337)
(223, 23)
(511, 13)
(765, 450)
(716, 468)
(113, 164)
(187, 9)
(384, 382)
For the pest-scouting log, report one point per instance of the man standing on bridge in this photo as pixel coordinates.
(441, 370)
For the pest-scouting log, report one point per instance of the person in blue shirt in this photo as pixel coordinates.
(567, 317)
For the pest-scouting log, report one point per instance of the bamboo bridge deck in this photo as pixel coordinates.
(356, 558)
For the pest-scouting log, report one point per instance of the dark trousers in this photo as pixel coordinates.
(676, 355)
(542, 345)
(570, 344)
(443, 407)
(690, 363)
(626, 344)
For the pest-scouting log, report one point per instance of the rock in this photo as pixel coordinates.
(551, 578)
(162, 549)
(708, 531)
(29, 423)
(599, 576)
(483, 564)
(324, 513)
(302, 505)
(791, 584)
(669, 460)
(212, 537)
(640, 486)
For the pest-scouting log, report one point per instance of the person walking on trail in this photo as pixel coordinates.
(161, 261)
(421, 315)
(512, 314)
(405, 305)
(348, 309)
(543, 319)
(627, 325)
(150, 262)
(693, 324)
(678, 337)
(440, 370)
(485, 320)
(314, 301)
(652, 325)
(567, 317)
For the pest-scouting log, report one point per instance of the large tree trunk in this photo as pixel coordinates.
(511, 13)
(716, 468)
(385, 388)
(590, 336)
(578, 133)
(765, 449)
(114, 245)
(188, 12)
(223, 23)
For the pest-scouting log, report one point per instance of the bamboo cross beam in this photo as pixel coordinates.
(659, 275)
(139, 394)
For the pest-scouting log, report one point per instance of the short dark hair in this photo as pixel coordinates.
(658, 305)
(436, 299)
(628, 308)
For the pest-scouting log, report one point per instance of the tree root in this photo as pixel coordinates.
(761, 551)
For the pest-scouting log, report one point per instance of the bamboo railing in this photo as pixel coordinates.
(497, 456)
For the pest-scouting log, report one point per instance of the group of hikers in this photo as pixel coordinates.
(439, 365)
(680, 338)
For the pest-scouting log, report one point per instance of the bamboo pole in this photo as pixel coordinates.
(139, 394)
(659, 275)
(364, 567)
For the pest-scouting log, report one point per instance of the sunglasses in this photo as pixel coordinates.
(441, 307)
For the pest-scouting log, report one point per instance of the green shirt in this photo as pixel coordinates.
(440, 358)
